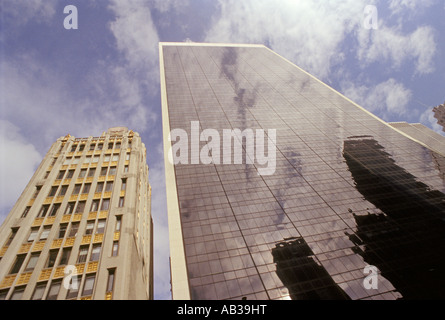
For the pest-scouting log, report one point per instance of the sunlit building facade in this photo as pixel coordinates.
(349, 193)
(82, 228)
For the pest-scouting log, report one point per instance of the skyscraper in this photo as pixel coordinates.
(279, 187)
(82, 228)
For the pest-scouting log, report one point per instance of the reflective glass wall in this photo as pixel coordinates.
(348, 194)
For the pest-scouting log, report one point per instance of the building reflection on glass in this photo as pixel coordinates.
(406, 240)
(301, 274)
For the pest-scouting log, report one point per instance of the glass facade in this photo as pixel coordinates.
(348, 191)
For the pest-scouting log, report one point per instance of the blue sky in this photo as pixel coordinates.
(55, 81)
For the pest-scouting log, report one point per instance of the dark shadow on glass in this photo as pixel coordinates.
(406, 241)
(300, 273)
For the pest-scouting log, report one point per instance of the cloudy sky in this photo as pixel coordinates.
(55, 81)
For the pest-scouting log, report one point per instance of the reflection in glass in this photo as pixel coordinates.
(406, 240)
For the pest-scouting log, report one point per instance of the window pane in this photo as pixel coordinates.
(74, 229)
(52, 258)
(33, 235)
(89, 228)
(32, 262)
(18, 292)
(105, 204)
(65, 256)
(18, 263)
(45, 233)
(54, 290)
(83, 252)
(38, 292)
(88, 286)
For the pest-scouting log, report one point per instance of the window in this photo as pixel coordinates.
(11, 236)
(83, 252)
(110, 145)
(73, 147)
(91, 172)
(100, 187)
(96, 252)
(88, 285)
(100, 146)
(74, 229)
(60, 175)
(39, 291)
(52, 256)
(36, 193)
(54, 209)
(115, 248)
(112, 171)
(66, 252)
(118, 145)
(95, 159)
(86, 188)
(67, 161)
(121, 202)
(3, 294)
(77, 189)
(92, 146)
(70, 208)
(17, 263)
(62, 230)
(115, 157)
(45, 233)
(94, 206)
(103, 171)
(107, 158)
(25, 212)
(100, 226)
(110, 282)
(43, 211)
(54, 290)
(89, 228)
(32, 262)
(127, 157)
(80, 207)
(63, 190)
(125, 169)
(76, 160)
(33, 235)
(109, 186)
(118, 225)
(70, 174)
(53, 191)
(105, 204)
(17, 294)
(81, 147)
(124, 185)
(82, 173)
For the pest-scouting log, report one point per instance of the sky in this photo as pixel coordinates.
(105, 73)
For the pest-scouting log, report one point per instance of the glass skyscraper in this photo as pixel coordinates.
(350, 208)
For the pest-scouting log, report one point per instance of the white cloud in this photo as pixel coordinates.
(389, 97)
(18, 161)
(390, 44)
(308, 33)
(22, 11)
(408, 6)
